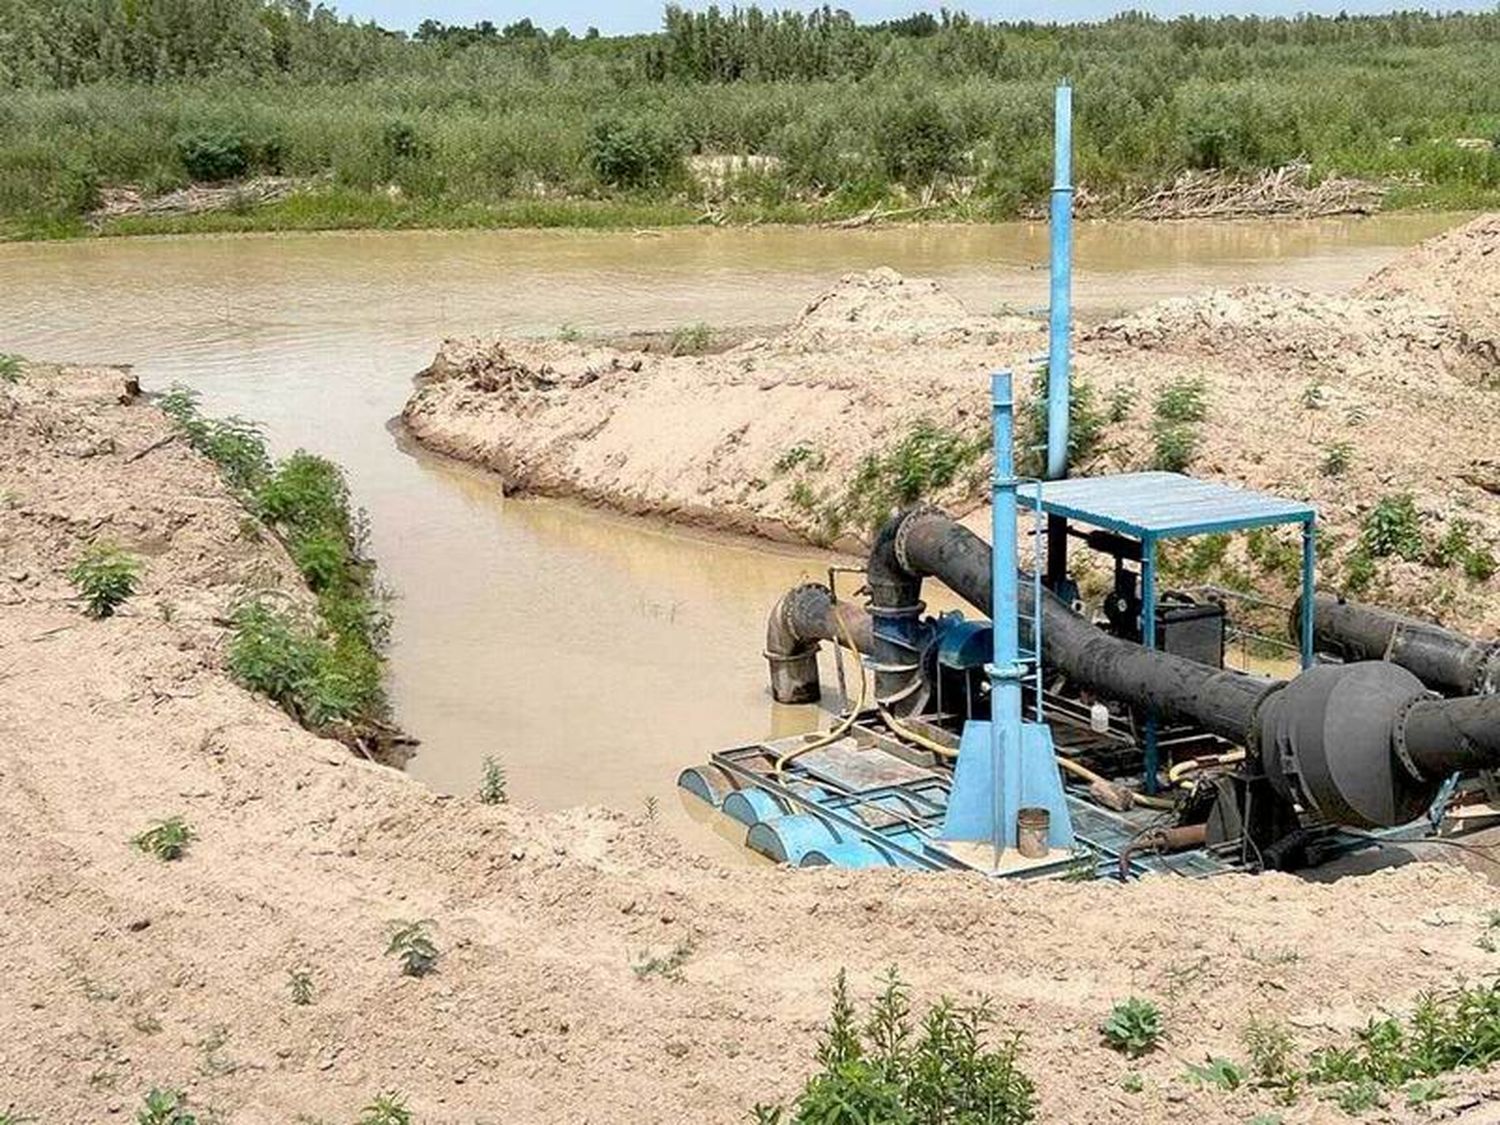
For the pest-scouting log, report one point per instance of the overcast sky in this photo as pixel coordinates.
(617, 16)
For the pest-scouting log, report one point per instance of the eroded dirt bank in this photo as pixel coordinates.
(1344, 400)
(125, 972)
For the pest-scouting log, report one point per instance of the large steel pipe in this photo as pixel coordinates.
(1444, 659)
(801, 618)
(1359, 743)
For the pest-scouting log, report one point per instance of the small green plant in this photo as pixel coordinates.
(802, 455)
(1133, 1082)
(1393, 527)
(568, 334)
(894, 1068)
(320, 679)
(1356, 1097)
(492, 783)
(13, 1116)
(1312, 397)
(1272, 553)
(926, 459)
(104, 577)
(300, 982)
(386, 1109)
(412, 946)
(1222, 1073)
(1133, 1026)
(166, 839)
(1174, 445)
(1459, 546)
(164, 1107)
(1272, 1052)
(236, 446)
(653, 808)
(1337, 457)
(691, 339)
(1121, 402)
(1183, 400)
(1086, 423)
(1359, 571)
(1424, 1091)
(669, 967)
(10, 368)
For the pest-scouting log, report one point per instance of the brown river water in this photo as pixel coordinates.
(593, 655)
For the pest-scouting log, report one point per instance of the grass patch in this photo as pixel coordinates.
(669, 966)
(323, 666)
(105, 577)
(691, 339)
(166, 839)
(10, 368)
(891, 1067)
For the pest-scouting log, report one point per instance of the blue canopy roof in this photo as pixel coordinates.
(1163, 505)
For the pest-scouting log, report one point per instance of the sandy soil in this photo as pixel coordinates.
(124, 972)
(1406, 373)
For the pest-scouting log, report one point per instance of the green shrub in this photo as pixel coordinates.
(413, 948)
(165, 1107)
(1337, 456)
(300, 982)
(318, 679)
(1393, 527)
(928, 458)
(896, 1072)
(104, 577)
(236, 446)
(1460, 547)
(633, 152)
(386, 1109)
(1133, 1026)
(1085, 425)
(492, 783)
(916, 139)
(1183, 400)
(213, 156)
(1359, 571)
(10, 368)
(166, 839)
(1173, 446)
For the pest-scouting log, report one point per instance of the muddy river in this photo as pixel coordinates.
(593, 655)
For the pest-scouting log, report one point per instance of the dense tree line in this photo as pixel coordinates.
(158, 92)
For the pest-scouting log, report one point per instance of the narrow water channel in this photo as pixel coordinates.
(593, 655)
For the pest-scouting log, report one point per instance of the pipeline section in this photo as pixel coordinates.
(1360, 744)
(1445, 660)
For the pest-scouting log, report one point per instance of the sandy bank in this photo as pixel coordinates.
(777, 435)
(127, 973)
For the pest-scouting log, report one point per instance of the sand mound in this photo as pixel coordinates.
(1459, 271)
(772, 437)
(126, 973)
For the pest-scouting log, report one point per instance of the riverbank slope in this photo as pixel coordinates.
(1375, 406)
(129, 973)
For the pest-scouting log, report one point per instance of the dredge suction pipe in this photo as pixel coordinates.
(1445, 660)
(1360, 744)
(802, 617)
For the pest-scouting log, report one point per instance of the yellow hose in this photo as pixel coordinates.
(845, 723)
(1143, 799)
(1193, 765)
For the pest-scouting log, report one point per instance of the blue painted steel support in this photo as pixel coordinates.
(1005, 764)
(1006, 670)
(1309, 585)
(1061, 325)
(1148, 638)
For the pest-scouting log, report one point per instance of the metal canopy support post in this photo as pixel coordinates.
(1152, 761)
(1309, 586)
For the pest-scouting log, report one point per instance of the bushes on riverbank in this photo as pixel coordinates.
(845, 116)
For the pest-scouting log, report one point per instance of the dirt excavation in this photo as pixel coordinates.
(876, 396)
(588, 969)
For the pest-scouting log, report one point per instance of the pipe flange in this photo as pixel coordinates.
(1487, 676)
(898, 541)
(1398, 739)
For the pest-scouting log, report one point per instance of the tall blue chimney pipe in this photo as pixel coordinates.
(1061, 326)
